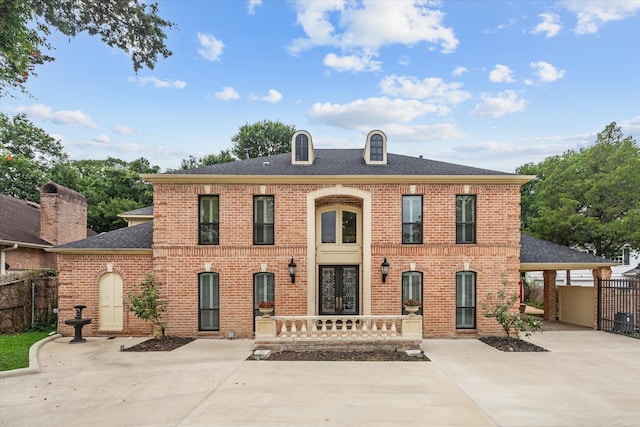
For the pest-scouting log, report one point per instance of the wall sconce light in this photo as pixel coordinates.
(385, 269)
(292, 271)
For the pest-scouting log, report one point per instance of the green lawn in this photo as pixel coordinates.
(14, 349)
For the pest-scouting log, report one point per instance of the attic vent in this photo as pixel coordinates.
(265, 163)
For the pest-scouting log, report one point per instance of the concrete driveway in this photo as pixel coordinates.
(587, 378)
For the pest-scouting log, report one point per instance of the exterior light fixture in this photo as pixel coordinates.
(385, 269)
(292, 271)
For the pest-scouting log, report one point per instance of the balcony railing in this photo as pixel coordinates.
(288, 330)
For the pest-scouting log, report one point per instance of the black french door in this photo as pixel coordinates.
(338, 289)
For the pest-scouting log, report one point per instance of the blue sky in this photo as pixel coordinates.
(491, 84)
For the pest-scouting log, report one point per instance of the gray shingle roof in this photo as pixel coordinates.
(537, 251)
(337, 162)
(136, 237)
(146, 211)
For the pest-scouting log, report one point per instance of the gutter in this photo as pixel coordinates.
(2, 258)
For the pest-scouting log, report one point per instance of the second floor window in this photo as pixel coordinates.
(411, 219)
(209, 220)
(465, 219)
(263, 208)
(339, 226)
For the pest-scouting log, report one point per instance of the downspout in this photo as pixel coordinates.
(2, 258)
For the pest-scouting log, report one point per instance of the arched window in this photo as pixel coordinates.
(376, 151)
(465, 300)
(412, 288)
(302, 148)
(208, 302)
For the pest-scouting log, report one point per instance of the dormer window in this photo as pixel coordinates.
(302, 148)
(375, 152)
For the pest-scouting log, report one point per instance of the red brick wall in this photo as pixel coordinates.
(178, 259)
(63, 216)
(29, 259)
(78, 280)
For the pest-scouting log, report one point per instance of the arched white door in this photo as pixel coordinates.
(111, 309)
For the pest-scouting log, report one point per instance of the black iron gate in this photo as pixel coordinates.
(619, 306)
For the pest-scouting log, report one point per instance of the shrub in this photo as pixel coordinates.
(147, 304)
(501, 308)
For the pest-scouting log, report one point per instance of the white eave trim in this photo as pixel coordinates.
(98, 251)
(24, 244)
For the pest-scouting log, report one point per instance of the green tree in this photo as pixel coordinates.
(28, 154)
(132, 26)
(588, 198)
(111, 186)
(211, 159)
(147, 304)
(263, 138)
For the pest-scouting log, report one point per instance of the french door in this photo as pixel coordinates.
(338, 289)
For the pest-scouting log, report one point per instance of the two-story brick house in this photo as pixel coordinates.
(313, 231)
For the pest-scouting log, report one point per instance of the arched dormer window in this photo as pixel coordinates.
(375, 152)
(302, 148)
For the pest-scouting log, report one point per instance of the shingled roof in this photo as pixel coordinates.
(538, 254)
(337, 162)
(20, 222)
(138, 237)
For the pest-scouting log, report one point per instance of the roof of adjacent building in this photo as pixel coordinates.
(20, 221)
(337, 162)
(146, 211)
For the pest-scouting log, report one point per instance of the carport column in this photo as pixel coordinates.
(598, 273)
(550, 298)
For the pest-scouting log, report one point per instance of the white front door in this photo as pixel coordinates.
(111, 308)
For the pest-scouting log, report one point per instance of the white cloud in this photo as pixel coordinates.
(432, 88)
(506, 102)
(210, 47)
(372, 113)
(273, 97)
(592, 14)
(102, 139)
(64, 117)
(253, 4)
(459, 70)
(352, 63)
(227, 93)
(550, 25)
(156, 82)
(122, 130)
(367, 26)
(501, 74)
(546, 72)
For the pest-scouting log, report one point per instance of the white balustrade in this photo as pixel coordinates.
(294, 328)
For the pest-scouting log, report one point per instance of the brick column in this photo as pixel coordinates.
(598, 273)
(550, 298)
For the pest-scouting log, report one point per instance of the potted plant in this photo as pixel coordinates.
(266, 308)
(412, 306)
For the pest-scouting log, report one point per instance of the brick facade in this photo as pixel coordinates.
(178, 259)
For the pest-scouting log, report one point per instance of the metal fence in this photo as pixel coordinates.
(619, 306)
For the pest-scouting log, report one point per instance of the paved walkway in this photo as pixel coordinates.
(587, 379)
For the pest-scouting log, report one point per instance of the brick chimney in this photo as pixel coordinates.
(63, 214)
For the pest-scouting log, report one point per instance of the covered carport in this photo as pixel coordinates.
(575, 305)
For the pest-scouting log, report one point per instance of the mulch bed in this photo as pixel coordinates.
(345, 356)
(166, 344)
(511, 345)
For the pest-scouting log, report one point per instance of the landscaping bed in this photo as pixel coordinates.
(345, 356)
(166, 344)
(511, 345)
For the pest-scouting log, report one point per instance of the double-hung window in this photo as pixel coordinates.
(465, 300)
(465, 219)
(209, 302)
(411, 219)
(209, 220)
(412, 288)
(263, 208)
